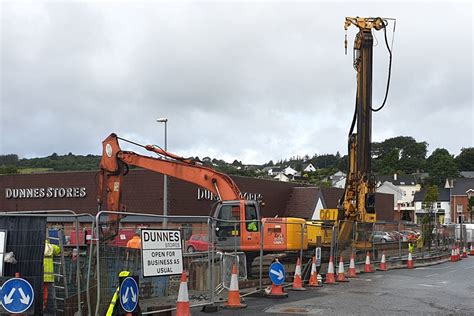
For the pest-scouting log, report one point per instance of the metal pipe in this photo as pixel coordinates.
(261, 257)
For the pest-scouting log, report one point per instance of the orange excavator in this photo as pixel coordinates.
(232, 214)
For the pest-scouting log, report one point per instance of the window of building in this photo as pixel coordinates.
(438, 205)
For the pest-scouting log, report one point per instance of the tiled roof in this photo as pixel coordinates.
(401, 179)
(302, 202)
(461, 185)
(443, 195)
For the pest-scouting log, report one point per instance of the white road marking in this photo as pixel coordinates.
(430, 275)
(428, 285)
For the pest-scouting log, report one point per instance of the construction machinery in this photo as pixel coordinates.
(232, 214)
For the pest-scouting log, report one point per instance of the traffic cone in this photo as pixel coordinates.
(340, 272)
(182, 304)
(276, 291)
(453, 255)
(464, 252)
(458, 257)
(383, 265)
(313, 279)
(471, 252)
(410, 262)
(352, 269)
(368, 267)
(297, 282)
(233, 300)
(330, 278)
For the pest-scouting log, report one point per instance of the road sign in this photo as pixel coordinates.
(318, 256)
(17, 295)
(277, 273)
(129, 294)
(161, 252)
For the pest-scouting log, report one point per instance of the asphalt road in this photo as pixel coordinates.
(444, 289)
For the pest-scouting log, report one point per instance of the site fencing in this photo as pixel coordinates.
(95, 250)
(157, 292)
(65, 274)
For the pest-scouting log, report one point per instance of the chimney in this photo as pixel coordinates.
(395, 177)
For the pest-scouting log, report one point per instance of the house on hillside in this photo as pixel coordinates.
(440, 210)
(467, 174)
(282, 177)
(309, 168)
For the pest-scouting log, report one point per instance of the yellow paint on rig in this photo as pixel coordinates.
(318, 229)
(370, 217)
(328, 214)
(293, 233)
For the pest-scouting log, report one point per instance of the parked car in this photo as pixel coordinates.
(381, 237)
(197, 242)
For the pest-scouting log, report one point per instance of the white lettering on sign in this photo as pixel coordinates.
(203, 194)
(161, 252)
(49, 192)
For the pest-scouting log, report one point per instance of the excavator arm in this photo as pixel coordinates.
(114, 165)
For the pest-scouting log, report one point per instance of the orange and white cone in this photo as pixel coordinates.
(297, 282)
(330, 278)
(182, 304)
(453, 255)
(383, 264)
(233, 300)
(464, 252)
(352, 268)
(458, 256)
(313, 279)
(410, 261)
(367, 266)
(340, 272)
(471, 252)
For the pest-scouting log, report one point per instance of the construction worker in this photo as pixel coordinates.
(136, 241)
(50, 250)
(252, 226)
(111, 309)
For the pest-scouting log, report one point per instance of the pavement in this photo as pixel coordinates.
(442, 289)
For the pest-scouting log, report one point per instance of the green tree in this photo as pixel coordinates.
(431, 197)
(465, 160)
(440, 166)
(399, 154)
(8, 170)
(9, 160)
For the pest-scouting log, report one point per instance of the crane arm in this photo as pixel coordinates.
(114, 162)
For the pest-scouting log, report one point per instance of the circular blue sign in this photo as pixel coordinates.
(129, 294)
(277, 273)
(17, 295)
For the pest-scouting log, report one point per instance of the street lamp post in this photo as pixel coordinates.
(165, 177)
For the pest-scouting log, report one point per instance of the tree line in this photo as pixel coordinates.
(401, 155)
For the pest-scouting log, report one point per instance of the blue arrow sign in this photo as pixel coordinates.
(129, 294)
(17, 295)
(277, 273)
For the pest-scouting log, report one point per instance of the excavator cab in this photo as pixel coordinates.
(237, 225)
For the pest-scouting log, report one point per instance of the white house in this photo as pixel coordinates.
(389, 188)
(440, 209)
(309, 168)
(282, 177)
(289, 171)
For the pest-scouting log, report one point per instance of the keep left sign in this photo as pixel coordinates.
(161, 252)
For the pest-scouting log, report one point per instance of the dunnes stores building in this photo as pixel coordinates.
(143, 193)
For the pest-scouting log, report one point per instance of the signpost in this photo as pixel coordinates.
(17, 295)
(128, 294)
(318, 256)
(161, 252)
(277, 273)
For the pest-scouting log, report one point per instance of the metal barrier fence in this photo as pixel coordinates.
(157, 292)
(93, 254)
(68, 291)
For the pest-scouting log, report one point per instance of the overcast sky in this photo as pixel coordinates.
(239, 80)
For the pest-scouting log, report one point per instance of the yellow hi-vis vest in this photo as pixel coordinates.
(110, 310)
(50, 250)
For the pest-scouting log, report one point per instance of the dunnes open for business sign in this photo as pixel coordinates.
(161, 252)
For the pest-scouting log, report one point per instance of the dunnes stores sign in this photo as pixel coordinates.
(203, 194)
(49, 192)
